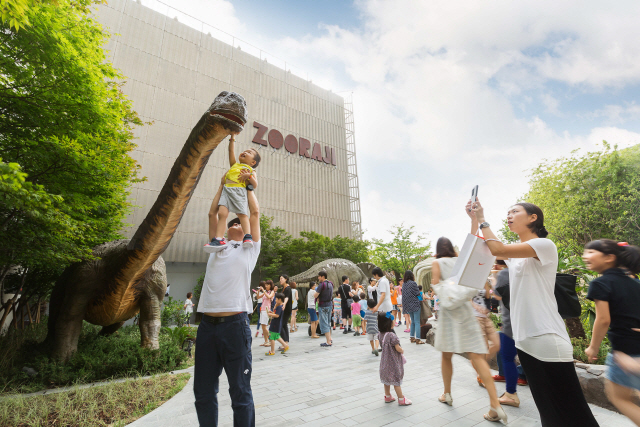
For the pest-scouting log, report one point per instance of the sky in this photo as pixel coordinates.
(448, 95)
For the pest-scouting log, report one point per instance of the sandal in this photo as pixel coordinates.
(500, 415)
(389, 399)
(420, 342)
(412, 340)
(266, 344)
(446, 398)
(324, 344)
(403, 401)
(269, 354)
(510, 401)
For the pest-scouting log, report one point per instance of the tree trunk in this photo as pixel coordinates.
(576, 330)
(7, 309)
(29, 314)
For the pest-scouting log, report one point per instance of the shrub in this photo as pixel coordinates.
(581, 344)
(98, 358)
(172, 312)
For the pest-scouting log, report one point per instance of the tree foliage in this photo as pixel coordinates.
(15, 13)
(65, 135)
(405, 249)
(281, 253)
(590, 196)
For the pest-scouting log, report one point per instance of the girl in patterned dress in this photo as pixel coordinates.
(392, 360)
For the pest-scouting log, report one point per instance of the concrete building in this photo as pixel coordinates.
(307, 177)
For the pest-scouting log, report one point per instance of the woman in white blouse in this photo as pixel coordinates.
(543, 345)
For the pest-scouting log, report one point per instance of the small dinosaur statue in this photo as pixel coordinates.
(129, 276)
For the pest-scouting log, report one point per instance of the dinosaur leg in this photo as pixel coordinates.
(108, 330)
(68, 325)
(149, 321)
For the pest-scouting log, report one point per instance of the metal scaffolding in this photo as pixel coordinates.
(352, 168)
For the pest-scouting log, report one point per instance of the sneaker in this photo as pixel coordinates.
(357, 334)
(403, 401)
(375, 352)
(499, 378)
(522, 381)
(345, 332)
(247, 241)
(334, 328)
(350, 330)
(389, 399)
(341, 327)
(215, 245)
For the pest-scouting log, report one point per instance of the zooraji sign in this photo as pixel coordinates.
(293, 145)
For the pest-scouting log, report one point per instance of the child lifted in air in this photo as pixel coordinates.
(239, 179)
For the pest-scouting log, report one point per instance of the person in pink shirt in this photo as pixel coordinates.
(267, 297)
(355, 316)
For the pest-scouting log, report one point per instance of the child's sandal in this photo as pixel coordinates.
(389, 399)
(269, 354)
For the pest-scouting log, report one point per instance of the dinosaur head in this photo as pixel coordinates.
(230, 110)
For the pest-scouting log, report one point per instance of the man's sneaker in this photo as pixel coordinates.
(499, 378)
(247, 241)
(215, 245)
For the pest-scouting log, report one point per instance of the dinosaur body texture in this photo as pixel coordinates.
(335, 268)
(129, 276)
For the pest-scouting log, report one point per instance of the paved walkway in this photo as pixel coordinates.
(340, 386)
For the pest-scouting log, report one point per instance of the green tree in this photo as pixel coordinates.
(590, 196)
(15, 13)
(66, 123)
(405, 249)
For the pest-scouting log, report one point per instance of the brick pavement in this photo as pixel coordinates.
(340, 386)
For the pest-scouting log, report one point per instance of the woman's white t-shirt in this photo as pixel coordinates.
(534, 310)
(311, 299)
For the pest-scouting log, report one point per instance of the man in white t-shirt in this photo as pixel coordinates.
(384, 292)
(224, 334)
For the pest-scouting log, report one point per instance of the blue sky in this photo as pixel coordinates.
(465, 93)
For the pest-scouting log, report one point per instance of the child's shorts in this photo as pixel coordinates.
(615, 374)
(372, 337)
(264, 317)
(274, 336)
(235, 199)
(356, 320)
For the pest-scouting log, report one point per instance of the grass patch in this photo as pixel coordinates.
(116, 404)
(98, 358)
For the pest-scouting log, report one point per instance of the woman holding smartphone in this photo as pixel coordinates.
(541, 338)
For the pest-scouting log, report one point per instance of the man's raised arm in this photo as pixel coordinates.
(254, 215)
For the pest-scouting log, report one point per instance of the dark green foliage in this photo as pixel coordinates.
(172, 312)
(405, 249)
(281, 253)
(98, 358)
(581, 344)
(65, 121)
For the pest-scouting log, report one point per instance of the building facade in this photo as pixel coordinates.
(173, 73)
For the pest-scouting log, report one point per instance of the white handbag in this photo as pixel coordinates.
(451, 294)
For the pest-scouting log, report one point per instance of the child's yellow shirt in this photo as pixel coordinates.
(234, 175)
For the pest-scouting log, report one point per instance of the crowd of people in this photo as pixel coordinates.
(532, 328)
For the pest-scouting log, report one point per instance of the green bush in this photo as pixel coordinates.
(172, 312)
(581, 344)
(98, 358)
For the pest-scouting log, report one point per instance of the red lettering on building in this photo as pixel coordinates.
(275, 138)
(316, 154)
(292, 144)
(259, 136)
(305, 145)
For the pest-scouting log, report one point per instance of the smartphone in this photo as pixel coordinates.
(474, 194)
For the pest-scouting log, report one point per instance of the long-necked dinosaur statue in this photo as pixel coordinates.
(129, 276)
(335, 269)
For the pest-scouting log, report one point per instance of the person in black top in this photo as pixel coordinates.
(346, 298)
(617, 298)
(287, 308)
(276, 326)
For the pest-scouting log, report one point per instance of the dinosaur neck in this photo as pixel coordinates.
(155, 233)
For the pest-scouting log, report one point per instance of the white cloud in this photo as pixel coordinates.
(438, 96)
